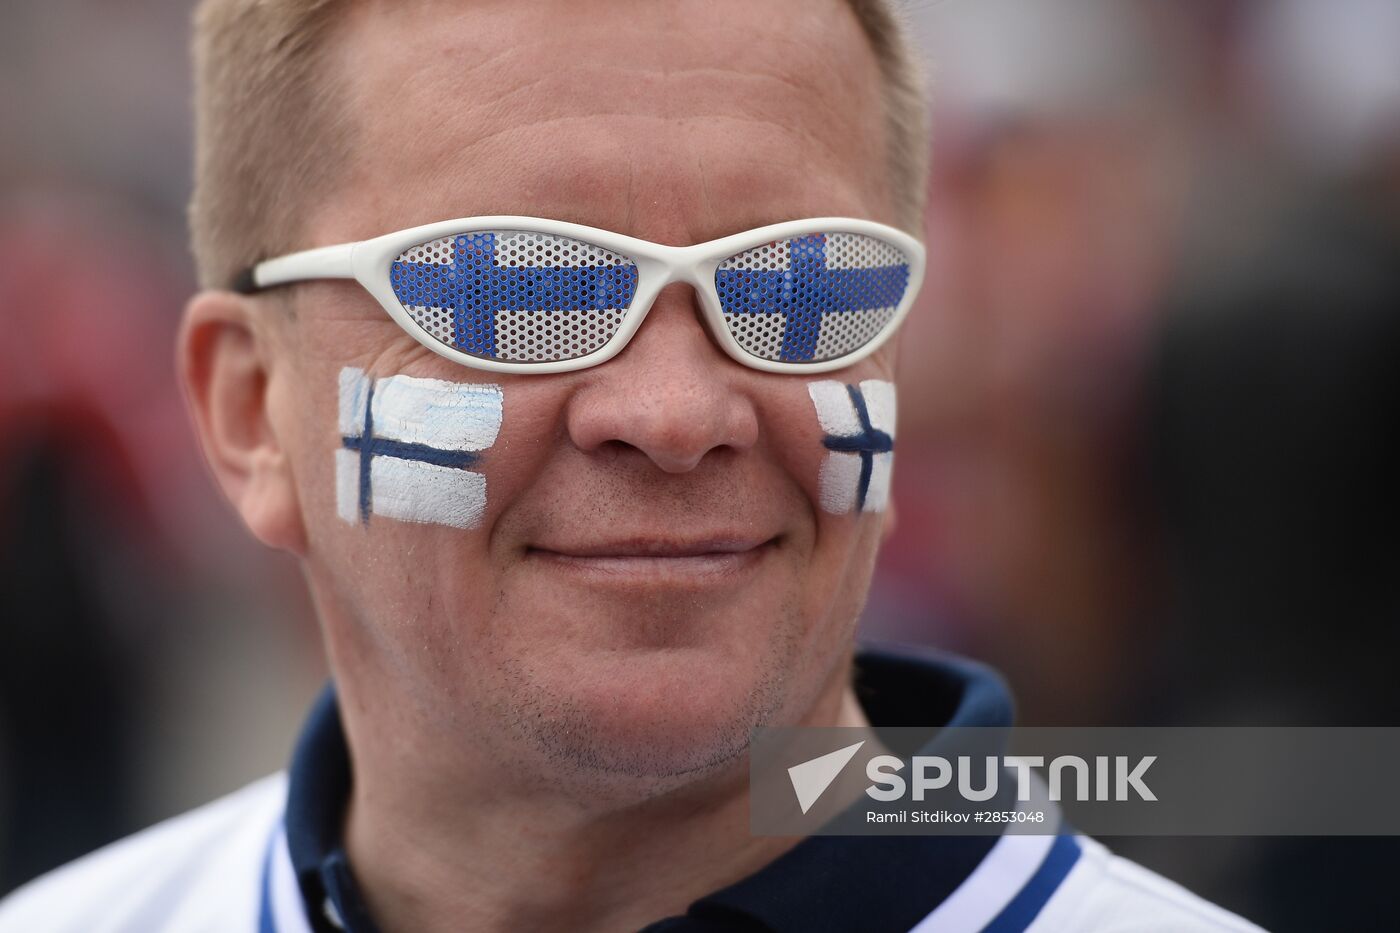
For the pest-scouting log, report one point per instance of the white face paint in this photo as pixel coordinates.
(408, 445)
(859, 422)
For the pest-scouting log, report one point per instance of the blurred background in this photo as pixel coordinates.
(1148, 442)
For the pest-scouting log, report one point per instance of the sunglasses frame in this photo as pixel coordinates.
(369, 262)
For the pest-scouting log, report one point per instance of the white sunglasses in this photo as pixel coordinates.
(530, 295)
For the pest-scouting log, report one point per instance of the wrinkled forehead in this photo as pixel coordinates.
(673, 120)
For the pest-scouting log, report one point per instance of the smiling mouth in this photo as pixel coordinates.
(655, 559)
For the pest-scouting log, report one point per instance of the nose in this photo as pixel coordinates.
(671, 394)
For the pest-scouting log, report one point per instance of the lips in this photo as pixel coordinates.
(657, 547)
(657, 559)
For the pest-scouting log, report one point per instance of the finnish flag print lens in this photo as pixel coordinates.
(514, 296)
(522, 297)
(811, 298)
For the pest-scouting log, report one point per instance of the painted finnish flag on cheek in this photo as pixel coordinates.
(858, 421)
(407, 446)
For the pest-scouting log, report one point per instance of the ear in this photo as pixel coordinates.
(227, 358)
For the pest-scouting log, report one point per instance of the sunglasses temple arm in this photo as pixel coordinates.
(326, 262)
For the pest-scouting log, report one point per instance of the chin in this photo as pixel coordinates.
(649, 714)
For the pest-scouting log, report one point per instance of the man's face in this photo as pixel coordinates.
(653, 574)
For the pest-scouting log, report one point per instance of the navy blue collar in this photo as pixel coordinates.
(870, 883)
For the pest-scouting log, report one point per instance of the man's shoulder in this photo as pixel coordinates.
(1107, 892)
(200, 870)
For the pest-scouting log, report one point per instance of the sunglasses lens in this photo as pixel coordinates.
(514, 296)
(811, 298)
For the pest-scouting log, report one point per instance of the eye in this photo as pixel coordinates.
(515, 296)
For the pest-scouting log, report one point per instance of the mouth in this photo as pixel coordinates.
(656, 559)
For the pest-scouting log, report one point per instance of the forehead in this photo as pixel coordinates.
(674, 120)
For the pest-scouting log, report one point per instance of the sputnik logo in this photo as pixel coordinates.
(811, 778)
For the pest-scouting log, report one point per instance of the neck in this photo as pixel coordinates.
(435, 857)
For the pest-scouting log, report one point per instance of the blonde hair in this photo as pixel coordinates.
(269, 119)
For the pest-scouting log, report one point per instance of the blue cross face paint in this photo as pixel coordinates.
(408, 448)
(859, 423)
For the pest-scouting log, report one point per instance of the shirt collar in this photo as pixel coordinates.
(318, 790)
(872, 883)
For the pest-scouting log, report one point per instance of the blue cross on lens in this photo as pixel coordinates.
(807, 290)
(474, 288)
